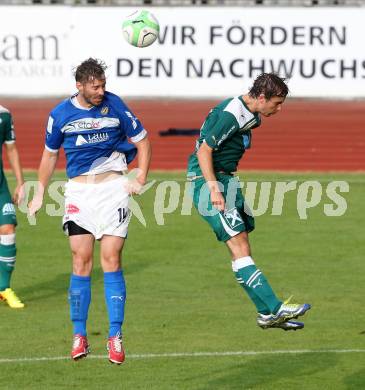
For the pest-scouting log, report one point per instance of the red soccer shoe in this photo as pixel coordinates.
(116, 351)
(80, 347)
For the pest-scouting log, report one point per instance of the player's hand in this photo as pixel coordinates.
(19, 194)
(35, 205)
(135, 182)
(133, 186)
(217, 200)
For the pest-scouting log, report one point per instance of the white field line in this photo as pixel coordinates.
(190, 354)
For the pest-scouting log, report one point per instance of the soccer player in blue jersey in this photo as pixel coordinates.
(100, 136)
(224, 138)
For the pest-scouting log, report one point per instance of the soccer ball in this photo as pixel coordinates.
(141, 28)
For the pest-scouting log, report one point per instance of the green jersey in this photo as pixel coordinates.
(7, 135)
(227, 130)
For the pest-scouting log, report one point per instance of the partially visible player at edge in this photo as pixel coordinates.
(224, 138)
(94, 127)
(8, 220)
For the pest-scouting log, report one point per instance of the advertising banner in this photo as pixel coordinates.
(201, 51)
(33, 50)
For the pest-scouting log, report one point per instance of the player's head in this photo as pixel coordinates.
(270, 91)
(90, 81)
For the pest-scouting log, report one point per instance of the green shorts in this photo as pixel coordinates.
(234, 219)
(7, 209)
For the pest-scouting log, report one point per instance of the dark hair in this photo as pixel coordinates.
(90, 69)
(270, 85)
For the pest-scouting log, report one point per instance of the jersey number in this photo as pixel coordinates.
(123, 213)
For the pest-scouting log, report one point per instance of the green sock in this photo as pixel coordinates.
(260, 305)
(7, 263)
(256, 285)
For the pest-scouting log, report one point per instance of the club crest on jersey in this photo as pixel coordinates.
(233, 218)
(8, 209)
(104, 110)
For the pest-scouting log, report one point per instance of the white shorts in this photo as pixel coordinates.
(100, 208)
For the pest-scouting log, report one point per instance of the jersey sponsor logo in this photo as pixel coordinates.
(98, 137)
(80, 140)
(87, 124)
(8, 209)
(72, 209)
(233, 218)
(104, 110)
(133, 119)
(225, 136)
(91, 139)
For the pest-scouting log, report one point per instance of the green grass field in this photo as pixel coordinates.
(188, 324)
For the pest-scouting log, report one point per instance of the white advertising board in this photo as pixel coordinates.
(201, 52)
(33, 50)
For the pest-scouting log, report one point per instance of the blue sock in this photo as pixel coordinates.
(79, 297)
(115, 294)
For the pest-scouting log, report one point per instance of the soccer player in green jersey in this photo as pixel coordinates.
(8, 220)
(224, 138)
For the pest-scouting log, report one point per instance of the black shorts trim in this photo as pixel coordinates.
(73, 229)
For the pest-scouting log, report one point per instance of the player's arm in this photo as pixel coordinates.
(205, 158)
(224, 128)
(143, 158)
(54, 140)
(45, 172)
(13, 156)
(136, 182)
(138, 136)
(47, 167)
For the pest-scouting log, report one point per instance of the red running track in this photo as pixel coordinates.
(304, 136)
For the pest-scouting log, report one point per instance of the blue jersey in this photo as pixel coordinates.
(92, 135)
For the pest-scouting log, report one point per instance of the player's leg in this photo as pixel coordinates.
(231, 227)
(115, 293)
(82, 245)
(8, 223)
(271, 311)
(7, 264)
(114, 217)
(250, 277)
(255, 284)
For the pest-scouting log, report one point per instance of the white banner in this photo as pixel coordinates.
(33, 50)
(201, 52)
